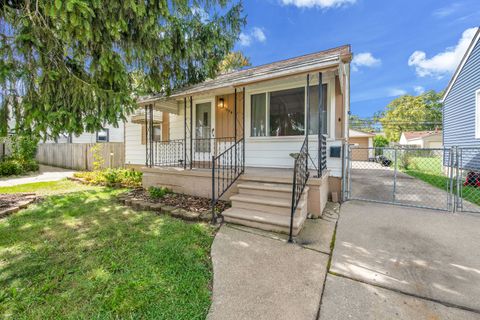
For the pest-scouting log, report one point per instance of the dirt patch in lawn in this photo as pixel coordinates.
(11, 203)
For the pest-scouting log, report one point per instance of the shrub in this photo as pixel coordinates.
(24, 148)
(11, 167)
(30, 165)
(158, 192)
(98, 161)
(112, 177)
(131, 178)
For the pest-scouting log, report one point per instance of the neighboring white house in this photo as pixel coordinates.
(422, 139)
(108, 134)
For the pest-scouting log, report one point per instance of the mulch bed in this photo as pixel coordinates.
(11, 203)
(180, 206)
(182, 201)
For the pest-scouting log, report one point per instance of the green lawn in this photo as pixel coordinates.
(49, 188)
(82, 255)
(430, 170)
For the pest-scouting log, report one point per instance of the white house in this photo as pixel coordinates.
(248, 135)
(108, 134)
(422, 139)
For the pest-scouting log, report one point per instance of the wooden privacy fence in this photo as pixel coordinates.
(79, 156)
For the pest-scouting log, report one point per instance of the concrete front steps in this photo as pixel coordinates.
(266, 205)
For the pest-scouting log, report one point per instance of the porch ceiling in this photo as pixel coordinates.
(163, 104)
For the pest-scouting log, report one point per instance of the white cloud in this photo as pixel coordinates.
(446, 11)
(245, 40)
(324, 4)
(419, 89)
(256, 34)
(444, 62)
(395, 92)
(365, 59)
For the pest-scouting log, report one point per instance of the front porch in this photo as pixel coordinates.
(255, 137)
(261, 197)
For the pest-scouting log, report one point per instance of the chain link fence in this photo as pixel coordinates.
(436, 178)
(467, 187)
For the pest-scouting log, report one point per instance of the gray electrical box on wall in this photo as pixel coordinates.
(335, 152)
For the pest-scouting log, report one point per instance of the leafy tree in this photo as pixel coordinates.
(234, 61)
(68, 66)
(380, 141)
(412, 113)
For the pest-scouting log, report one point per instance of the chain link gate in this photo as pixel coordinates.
(467, 182)
(416, 177)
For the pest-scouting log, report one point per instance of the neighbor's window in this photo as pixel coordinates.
(102, 136)
(287, 112)
(314, 110)
(157, 133)
(259, 112)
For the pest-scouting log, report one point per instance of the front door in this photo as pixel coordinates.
(204, 131)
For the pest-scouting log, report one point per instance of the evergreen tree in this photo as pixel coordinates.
(69, 66)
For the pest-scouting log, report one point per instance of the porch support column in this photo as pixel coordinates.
(243, 127)
(184, 133)
(146, 135)
(320, 123)
(150, 123)
(191, 132)
(307, 125)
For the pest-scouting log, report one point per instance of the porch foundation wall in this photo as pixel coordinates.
(199, 183)
(318, 195)
(193, 182)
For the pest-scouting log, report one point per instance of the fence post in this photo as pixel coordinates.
(344, 173)
(458, 175)
(395, 164)
(451, 193)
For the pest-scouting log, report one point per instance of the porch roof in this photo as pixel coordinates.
(317, 61)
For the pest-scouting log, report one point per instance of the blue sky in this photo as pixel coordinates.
(400, 46)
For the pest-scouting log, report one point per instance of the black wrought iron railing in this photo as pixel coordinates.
(226, 169)
(300, 178)
(323, 155)
(169, 153)
(173, 153)
(205, 148)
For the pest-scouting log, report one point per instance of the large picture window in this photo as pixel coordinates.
(282, 113)
(287, 112)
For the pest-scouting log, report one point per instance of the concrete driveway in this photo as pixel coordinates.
(422, 262)
(371, 181)
(45, 173)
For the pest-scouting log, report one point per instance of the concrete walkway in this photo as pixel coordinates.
(258, 275)
(45, 173)
(393, 262)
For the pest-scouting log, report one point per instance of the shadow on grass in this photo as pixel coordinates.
(83, 255)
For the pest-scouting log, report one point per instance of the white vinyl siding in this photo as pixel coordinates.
(134, 149)
(260, 151)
